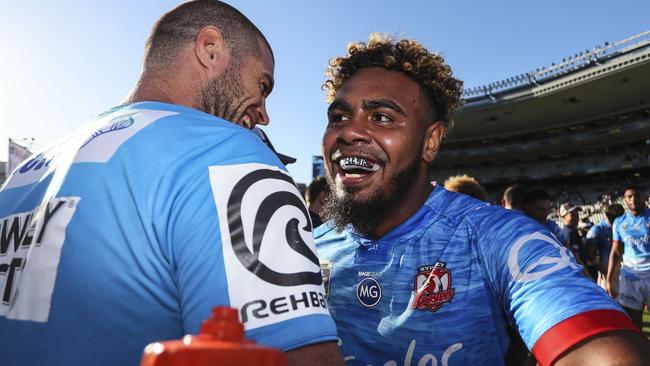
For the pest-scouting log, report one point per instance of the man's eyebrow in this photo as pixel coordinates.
(382, 103)
(339, 105)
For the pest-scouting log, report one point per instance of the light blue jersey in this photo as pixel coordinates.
(443, 288)
(634, 233)
(600, 237)
(153, 214)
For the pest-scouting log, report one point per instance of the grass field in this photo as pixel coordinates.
(646, 323)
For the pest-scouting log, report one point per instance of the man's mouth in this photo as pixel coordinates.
(247, 122)
(358, 165)
(354, 168)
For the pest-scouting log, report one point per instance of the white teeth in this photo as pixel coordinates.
(246, 122)
(358, 163)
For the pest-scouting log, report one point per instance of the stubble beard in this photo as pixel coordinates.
(364, 215)
(221, 96)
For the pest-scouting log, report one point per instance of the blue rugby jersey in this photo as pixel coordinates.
(634, 233)
(556, 230)
(442, 288)
(600, 237)
(164, 212)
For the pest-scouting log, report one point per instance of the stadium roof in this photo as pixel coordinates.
(606, 80)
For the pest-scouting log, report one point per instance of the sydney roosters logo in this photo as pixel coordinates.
(432, 287)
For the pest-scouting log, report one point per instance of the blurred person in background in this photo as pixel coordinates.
(630, 255)
(599, 241)
(466, 185)
(514, 197)
(584, 226)
(315, 195)
(538, 205)
(570, 215)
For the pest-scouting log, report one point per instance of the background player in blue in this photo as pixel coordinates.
(631, 243)
(421, 276)
(599, 240)
(132, 229)
(538, 205)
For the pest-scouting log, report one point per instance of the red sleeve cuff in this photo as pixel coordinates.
(577, 328)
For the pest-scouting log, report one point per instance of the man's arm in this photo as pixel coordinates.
(614, 266)
(320, 354)
(612, 348)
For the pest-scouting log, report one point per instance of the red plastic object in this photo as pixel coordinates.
(221, 342)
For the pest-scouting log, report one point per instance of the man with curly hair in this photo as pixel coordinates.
(465, 184)
(416, 274)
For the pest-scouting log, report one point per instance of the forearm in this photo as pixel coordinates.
(614, 265)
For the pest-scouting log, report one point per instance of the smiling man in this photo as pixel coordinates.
(631, 246)
(417, 275)
(132, 229)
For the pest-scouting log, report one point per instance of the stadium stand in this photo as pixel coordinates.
(580, 128)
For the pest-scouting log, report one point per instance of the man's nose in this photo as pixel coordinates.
(355, 131)
(262, 114)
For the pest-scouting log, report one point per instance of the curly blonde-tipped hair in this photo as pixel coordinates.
(407, 56)
(466, 185)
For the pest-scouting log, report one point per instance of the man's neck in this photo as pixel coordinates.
(167, 87)
(405, 209)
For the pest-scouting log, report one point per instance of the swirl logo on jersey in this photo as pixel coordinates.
(432, 287)
(534, 243)
(269, 255)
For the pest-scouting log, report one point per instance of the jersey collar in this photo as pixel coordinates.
(412, 227)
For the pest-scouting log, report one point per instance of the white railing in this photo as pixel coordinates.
(582, 59)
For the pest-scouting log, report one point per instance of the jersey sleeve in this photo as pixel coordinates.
(592, 236)
(237, 233)
(615, 227)
(541, 287)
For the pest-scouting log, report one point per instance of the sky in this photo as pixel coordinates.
(63, 62)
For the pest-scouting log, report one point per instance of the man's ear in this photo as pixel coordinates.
(433, 137)
(321, 198)
(212, 51)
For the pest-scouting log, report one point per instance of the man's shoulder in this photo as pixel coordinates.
(455, 207)
(176, 122)
(599, 228)
(621, 219)
(487, 217)
(180, 135)
(602, 226)
(646, 213)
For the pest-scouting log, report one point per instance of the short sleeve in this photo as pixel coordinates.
(615, 227)
(592, 235)
(540, 283)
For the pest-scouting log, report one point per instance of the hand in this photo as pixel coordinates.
(611, 289)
